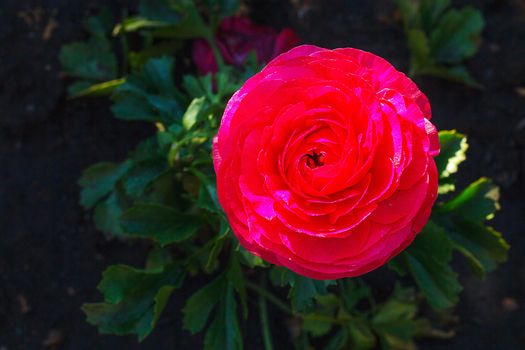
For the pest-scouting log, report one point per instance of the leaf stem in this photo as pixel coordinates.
(270, 297)
(216, 52)
(267, 337)
(281, 305)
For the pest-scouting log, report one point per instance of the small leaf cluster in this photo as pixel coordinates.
(457, 224)
(441, 38)
(165, 192)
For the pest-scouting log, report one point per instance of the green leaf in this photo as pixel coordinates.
(431, 11)
(338, 341)
(224, 331)
(92, 60)
(395, 321)
(303, 290)
(133, 108)
(98, 180)
(440, 39)
(428, 261)
(105, 88)
(134, 299)
(150, 94)
(478, 202)
(457, 35)
(107, 213)
(141, 174)
(161, 223)
(316, 322)
(194, 111)
(249, 259)
(353, 292)
(419, 50)
(453, 152)
(483, 246)
(316, 327)
(457, 73)
(235, 276)
(224, 8)
(159, 257)
(101, 24)
(138, 58)
(361, 334)
(159, 10)
(199, 306)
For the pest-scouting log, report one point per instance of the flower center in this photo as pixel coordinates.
(315, 159)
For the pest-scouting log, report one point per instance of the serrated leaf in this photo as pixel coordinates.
(138, 58)
(101, 24)
(199, 306)
(316, 322)
(338, 341)
(477, 202)
(224, 331)
(457, 35)
(428, 260)
(396, 324)
(453, 152)
(224, 8)
(141, 174)
(457, 73)
(133, 108)
(304, 290)
(150, 94)
(164, 224)
(107, 213)
(316, 327)
(353, 291)
(98, 180)
(134, 299)
(92, 60)
(249, 259)
(235, 276)
(483, 246)
(159, 10)
(361, 334)
(430, 11)
(419, 49)
(159, 257)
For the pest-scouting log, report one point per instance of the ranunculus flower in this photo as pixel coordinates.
(236, 38)
(324, 162)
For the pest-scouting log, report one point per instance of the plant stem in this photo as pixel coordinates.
(125, 45)
(267, 337)
(270, 297)
(281, 305)
(216, 52)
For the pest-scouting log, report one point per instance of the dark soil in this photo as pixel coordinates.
(51, 256)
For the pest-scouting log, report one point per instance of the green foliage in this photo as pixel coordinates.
(428, 260)
(165, 191)
(92, 61)
(134, 299)
(160, 223)
(302, 289)
(440, 38)
(150, 94)
(457, 224)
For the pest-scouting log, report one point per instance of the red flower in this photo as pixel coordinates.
(236, 38)
(324, 162)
